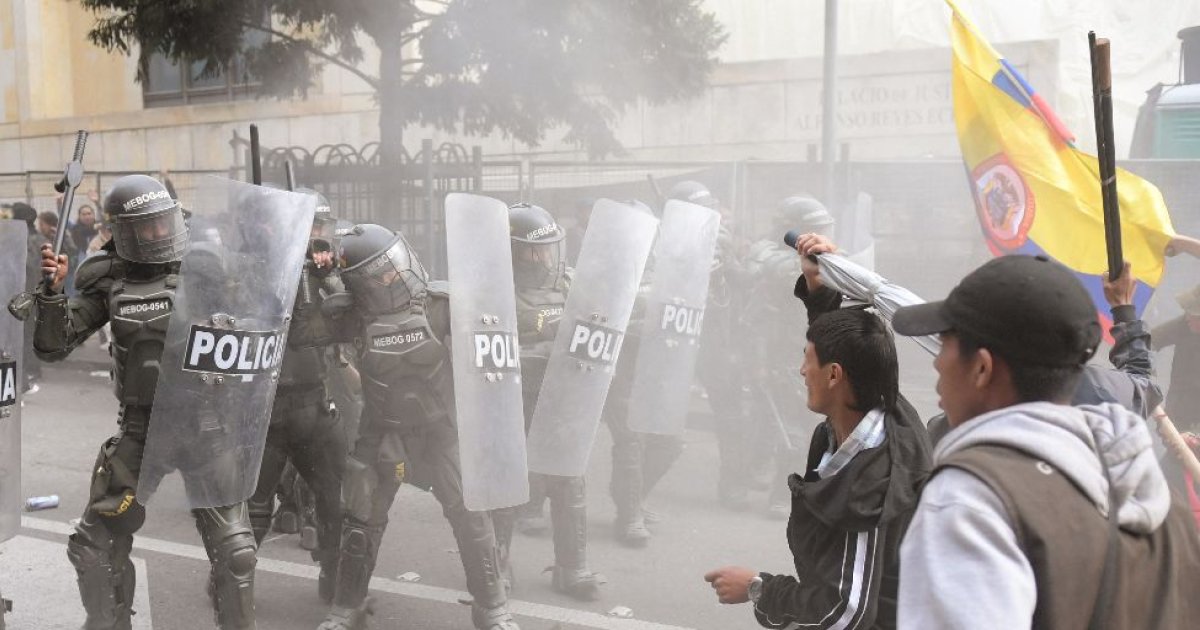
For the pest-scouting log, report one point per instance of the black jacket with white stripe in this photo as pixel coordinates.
(845, 530)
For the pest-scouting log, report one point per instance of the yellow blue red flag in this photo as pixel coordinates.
(1035, 193)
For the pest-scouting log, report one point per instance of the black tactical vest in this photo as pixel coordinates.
(139, 312)
(539, 312)
(406, 372)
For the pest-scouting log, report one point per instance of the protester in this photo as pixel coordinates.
(1037, 514)
(1129, 382)
(865, 466)
(83, 230)
(46, 225)
(102, 237)
(1183, 334)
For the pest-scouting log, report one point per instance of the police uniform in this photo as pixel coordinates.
(639, 460)
(399, 324)
(721, 368)
(542, 281)
(305, 430)
(137, 298)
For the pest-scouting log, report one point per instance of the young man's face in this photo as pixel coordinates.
(957, 393)
(816, 381)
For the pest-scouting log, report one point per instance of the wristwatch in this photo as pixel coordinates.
(755, 590)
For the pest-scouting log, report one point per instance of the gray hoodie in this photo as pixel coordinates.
(961, 566)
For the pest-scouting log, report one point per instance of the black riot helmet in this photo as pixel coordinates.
(538, 247)
(147, 223)
(693, 192)
(380, 269)
(803, 213)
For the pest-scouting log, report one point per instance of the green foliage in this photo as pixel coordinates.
(521, 67)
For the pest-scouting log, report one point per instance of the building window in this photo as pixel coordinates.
(171, 83)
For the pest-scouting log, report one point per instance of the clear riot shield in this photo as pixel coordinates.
(581, 366)
(487, 368)
(224, 344)
(13, 235)
(670, 338)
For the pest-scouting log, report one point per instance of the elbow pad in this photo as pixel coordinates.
(50, 330)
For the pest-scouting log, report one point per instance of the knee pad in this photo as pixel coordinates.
(226, 531)
(355, 564)
(85, 556)
(240, 556)
(356, 541)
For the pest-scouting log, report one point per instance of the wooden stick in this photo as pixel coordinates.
(1175, 443)
(1106, 154)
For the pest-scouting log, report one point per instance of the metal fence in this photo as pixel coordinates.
(924, 222)
(409, 197)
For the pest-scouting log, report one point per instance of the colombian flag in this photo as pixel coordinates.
(1035, 193)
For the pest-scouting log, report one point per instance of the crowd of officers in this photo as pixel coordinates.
(393, 421)
(393, 413)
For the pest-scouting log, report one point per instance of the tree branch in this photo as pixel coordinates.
(312, 50)
(414, 34)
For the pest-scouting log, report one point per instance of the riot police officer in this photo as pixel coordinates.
(720, 365)
(399, 323)
(132, 283)
(304, 425)
(775, 320)
(639, 460)
(541, 279)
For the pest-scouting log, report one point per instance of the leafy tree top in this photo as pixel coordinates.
(520, 67)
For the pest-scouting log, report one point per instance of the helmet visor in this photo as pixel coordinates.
(389, 281)
(538, 265)
(154, 237)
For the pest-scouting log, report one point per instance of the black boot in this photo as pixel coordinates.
(568, 512)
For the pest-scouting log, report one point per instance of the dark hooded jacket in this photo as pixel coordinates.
(845, 530)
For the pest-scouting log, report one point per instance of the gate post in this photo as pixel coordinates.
(476, 168)
(430, 239)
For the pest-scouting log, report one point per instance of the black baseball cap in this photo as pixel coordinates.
(1027, 309)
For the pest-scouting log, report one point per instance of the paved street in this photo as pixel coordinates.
(75, 411)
